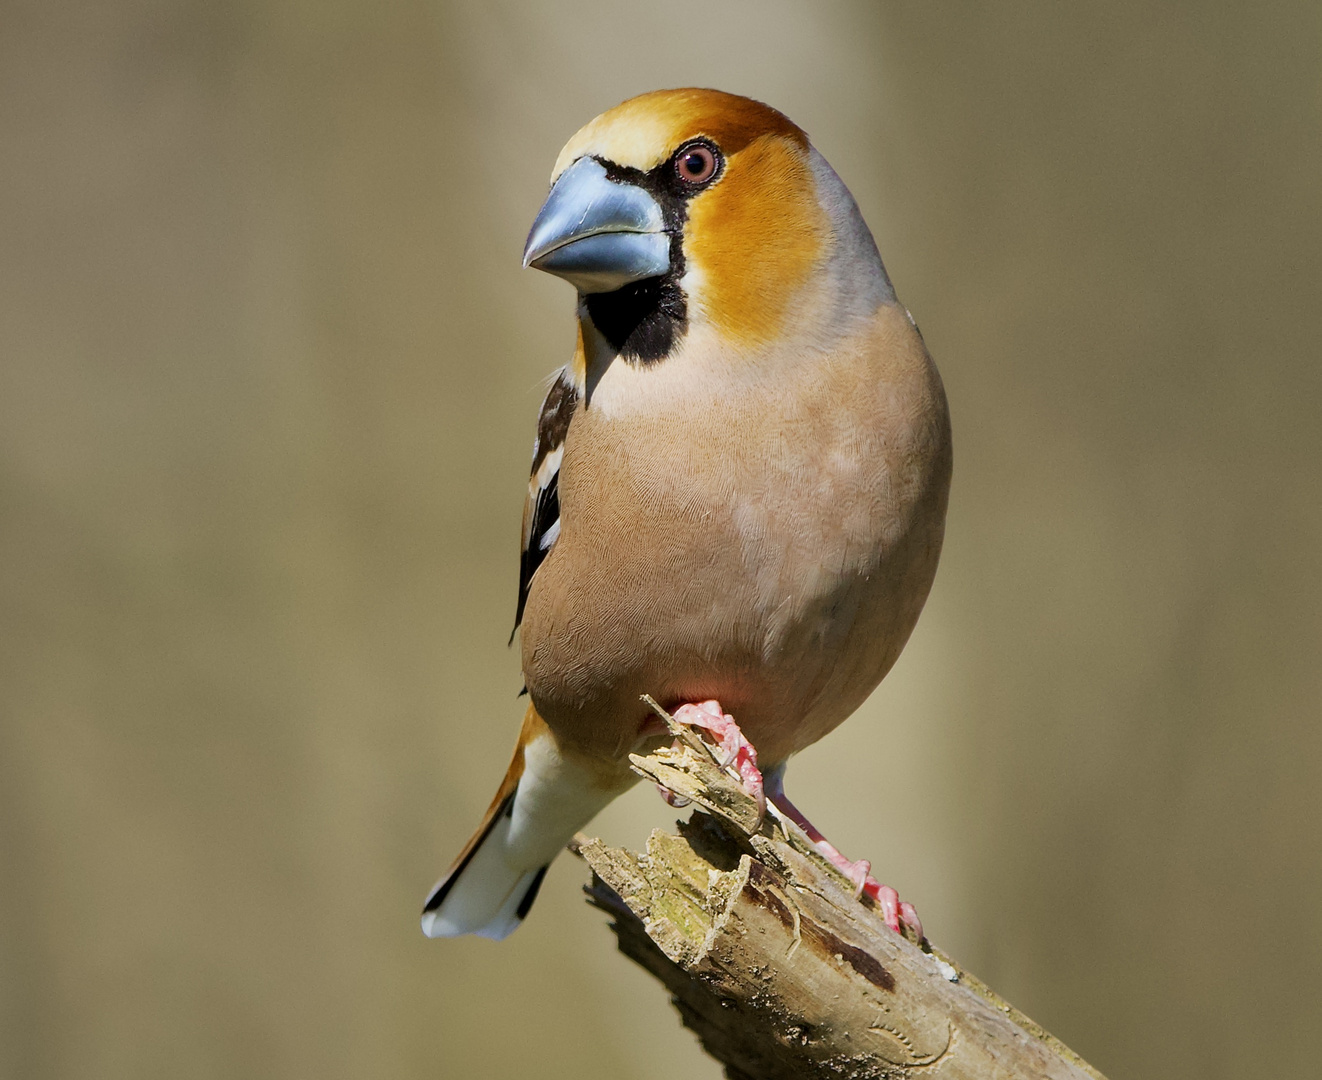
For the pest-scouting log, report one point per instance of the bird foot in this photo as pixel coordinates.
(894, 911)
(736, 752)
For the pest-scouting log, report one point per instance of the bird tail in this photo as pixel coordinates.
(544, 799)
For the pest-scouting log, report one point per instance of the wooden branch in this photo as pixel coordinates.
(776, 966)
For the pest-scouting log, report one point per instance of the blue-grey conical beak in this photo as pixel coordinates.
(598, 234)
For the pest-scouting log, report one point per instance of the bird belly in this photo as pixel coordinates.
(789, 662)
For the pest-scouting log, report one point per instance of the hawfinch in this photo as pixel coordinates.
(739, 481)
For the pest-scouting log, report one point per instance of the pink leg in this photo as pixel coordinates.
(893, 910)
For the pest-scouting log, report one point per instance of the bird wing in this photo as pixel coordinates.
(541, 511)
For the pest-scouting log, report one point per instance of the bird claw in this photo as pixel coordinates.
(909, 916)
(736, 753)
(677, 801)
(894, 911)
(860, 874)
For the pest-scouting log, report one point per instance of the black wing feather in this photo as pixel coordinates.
(545, 515)
(541, 513)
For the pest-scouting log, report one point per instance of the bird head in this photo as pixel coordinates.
(687, 208)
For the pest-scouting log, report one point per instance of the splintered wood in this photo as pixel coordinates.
(776, 966)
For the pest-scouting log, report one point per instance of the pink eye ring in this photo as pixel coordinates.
(696, 163)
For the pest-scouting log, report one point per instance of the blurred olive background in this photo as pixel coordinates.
(268, 376)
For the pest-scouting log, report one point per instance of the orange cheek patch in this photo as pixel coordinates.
(755, 238)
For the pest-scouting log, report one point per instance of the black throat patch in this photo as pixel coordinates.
(643, 320)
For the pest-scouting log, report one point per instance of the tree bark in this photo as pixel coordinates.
(778, 968)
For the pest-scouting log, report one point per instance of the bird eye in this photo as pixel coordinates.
(696, 163)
